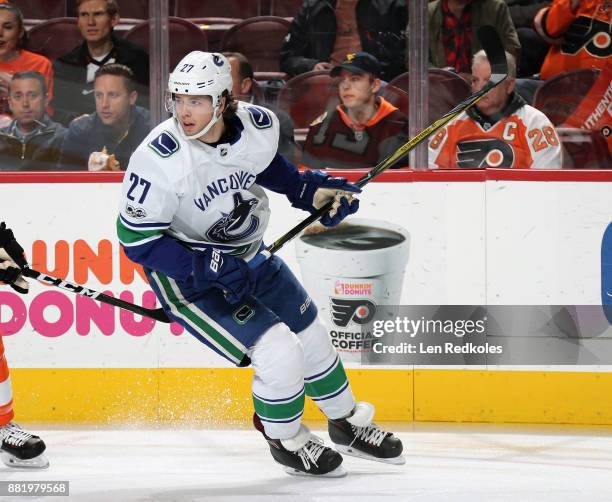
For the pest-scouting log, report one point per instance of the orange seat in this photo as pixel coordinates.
(285, 8)
(135, 10)
(306, 96)
(260, 39)
(54, 38)
(229, 11)
(559, 96)
(446, 89)
(184, 37)
(36, 10)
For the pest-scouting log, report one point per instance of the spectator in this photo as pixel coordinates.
(32, 141)
(243, 88)
(323, 31)
(533, 47)
(364, 129)
(452, 31)
(105, 139)
(500, 131)
(74, 72)
(580, 33)
(15, 59)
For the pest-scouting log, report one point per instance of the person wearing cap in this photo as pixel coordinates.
(364, 128)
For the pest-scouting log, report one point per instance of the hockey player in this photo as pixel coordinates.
(18, 448)
(500, 131)
(193, 212)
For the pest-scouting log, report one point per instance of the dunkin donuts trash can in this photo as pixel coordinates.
(354, 272)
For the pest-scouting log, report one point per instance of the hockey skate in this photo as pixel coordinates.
(358, 436)
(304, 455)
(19, 448)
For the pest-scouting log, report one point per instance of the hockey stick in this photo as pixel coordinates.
(157, 314)
(489, 39)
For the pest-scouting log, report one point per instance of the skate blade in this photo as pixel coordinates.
(39, 462)
(347, 450)
(338, 472)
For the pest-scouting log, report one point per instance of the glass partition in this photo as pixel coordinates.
(86, 82)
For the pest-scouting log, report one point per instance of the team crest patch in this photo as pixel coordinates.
(243, 314)
(165, 144)
(261, 118)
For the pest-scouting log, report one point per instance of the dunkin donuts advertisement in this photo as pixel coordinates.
(421, 266)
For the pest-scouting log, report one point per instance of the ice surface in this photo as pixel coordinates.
(444, 464)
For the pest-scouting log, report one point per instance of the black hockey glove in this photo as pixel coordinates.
(317, 189)
(12, 258)
(11, 246)
(214, 269)
(10, 273)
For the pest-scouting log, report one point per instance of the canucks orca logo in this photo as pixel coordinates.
(484, 153)
(217, 60)
(231, 227)
(358, 311)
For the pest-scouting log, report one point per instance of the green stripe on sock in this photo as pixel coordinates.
(130, 236)
(279, 411)
(209, 331)
(327, 384)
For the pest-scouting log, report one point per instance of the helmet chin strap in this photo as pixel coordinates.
(215, 118)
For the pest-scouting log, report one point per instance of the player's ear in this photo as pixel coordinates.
(376, 85)
(510, 85)
(245, 85)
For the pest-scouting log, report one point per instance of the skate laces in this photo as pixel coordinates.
(15, 435)
(372, 434)
(311, 451)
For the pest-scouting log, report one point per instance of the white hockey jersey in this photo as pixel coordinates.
(521, 137)
(201, 195)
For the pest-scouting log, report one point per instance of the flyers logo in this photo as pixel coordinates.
(358, 311)
(484, 153)
(593, 35)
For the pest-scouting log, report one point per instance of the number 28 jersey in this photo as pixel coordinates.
(200, 194)
(521, 137)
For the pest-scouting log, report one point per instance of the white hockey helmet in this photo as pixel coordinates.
(200, 74)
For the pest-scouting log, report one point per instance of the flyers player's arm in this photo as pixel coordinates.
(147, 207)
(441, 147)
(553, 21)
(543, 141)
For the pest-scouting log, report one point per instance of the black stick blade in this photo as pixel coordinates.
(492, 45)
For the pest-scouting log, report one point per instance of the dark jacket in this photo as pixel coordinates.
(312, 35)
(39, 152)
(491, 12)
(523, 11)
(89, 134)
(74, 96)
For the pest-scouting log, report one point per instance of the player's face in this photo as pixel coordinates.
(113, 100)
(494, 100)
(27, 101)
(193, 112)
(94, 22)
(356, 89)
(9, 32)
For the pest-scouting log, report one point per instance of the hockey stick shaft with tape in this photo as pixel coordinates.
(496, 55)
(157, 314)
